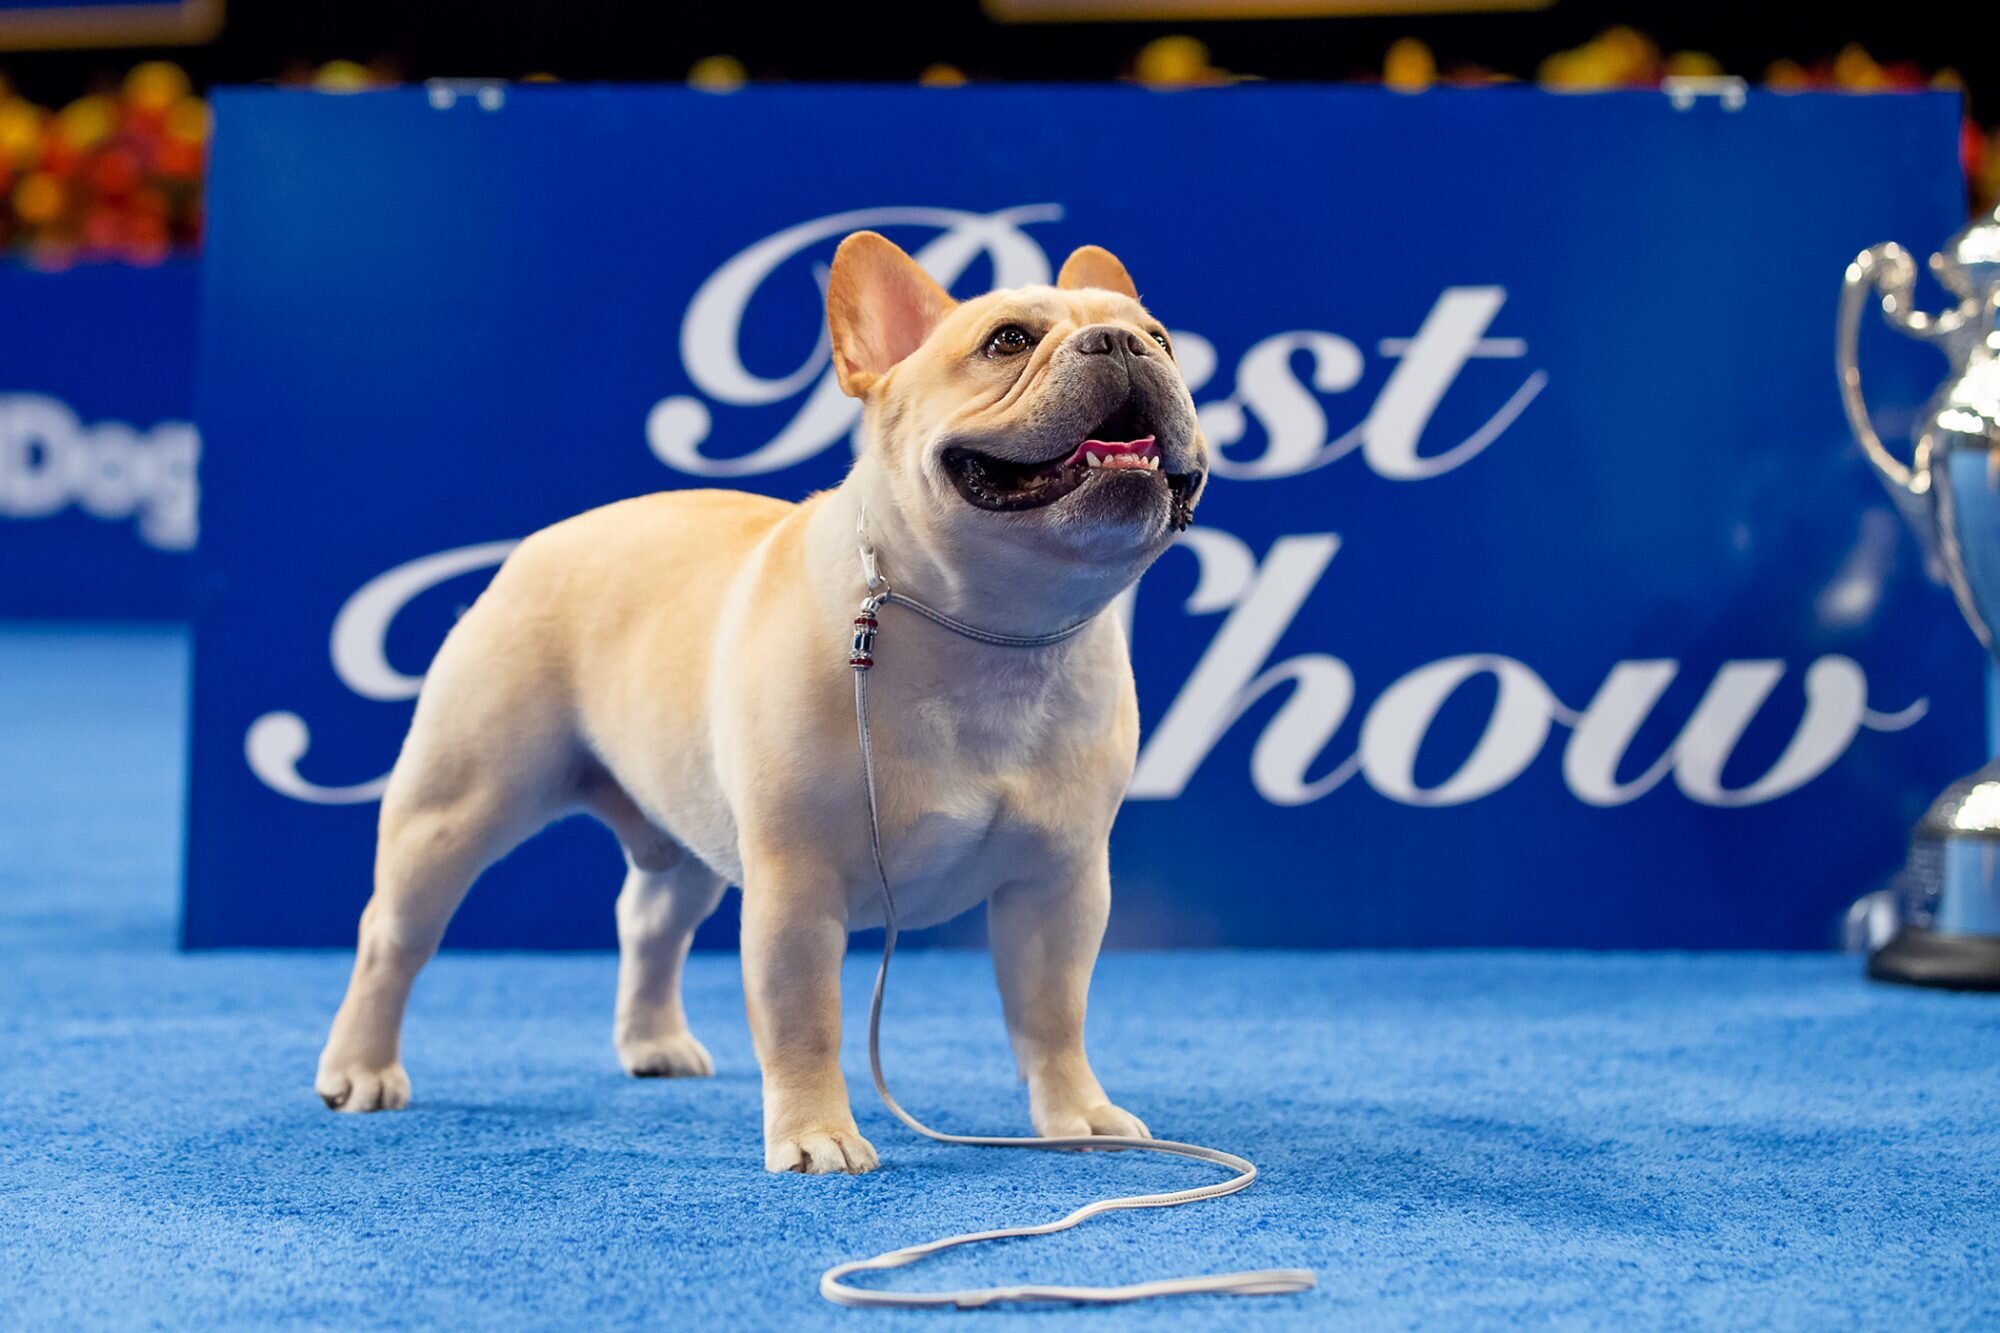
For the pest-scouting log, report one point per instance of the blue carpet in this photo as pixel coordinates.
(1454, 1141)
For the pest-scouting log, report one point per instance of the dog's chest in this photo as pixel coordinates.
(966, 841)
(993, 767)
(970, 803)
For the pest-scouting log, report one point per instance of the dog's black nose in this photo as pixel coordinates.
(1103, 339)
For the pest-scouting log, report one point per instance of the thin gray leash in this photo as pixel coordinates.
(1262, 1282)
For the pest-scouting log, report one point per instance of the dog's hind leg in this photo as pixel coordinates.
(488, 762)
(668, 892)
(429, 852)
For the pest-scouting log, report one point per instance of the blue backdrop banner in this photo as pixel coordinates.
(98, 496)
(1540, 597)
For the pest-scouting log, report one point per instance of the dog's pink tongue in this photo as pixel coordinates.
(1105, 448)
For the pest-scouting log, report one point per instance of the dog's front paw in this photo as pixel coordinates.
(1088, 1121)
(356, 1087)
(818, 1152)
(677, 1056)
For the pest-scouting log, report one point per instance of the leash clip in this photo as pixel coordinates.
(861, 650)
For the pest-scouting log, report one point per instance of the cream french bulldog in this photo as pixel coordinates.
(677, 665)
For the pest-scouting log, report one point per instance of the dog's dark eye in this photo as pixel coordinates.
(1161, 338)
(1009, 340)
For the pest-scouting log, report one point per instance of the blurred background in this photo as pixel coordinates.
(103, 118)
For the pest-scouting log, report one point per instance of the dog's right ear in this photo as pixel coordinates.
(880, 306)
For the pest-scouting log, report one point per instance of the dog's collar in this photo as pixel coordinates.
(861, 653)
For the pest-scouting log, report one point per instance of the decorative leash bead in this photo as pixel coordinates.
(861, 654)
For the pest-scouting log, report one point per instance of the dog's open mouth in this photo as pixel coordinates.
(1116, 448)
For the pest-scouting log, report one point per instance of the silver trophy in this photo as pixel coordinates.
(1948, 898)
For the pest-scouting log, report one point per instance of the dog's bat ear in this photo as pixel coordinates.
(880, 306)
(1095, 266)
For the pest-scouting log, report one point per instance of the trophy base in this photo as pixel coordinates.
(1949, 893)
(1920, 957)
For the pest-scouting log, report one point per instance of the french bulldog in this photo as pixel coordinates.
(677, 665)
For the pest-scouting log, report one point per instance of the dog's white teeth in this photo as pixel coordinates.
(1092, 460)
(1153, 464)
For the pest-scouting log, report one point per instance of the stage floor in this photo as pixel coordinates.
(1452, 1140)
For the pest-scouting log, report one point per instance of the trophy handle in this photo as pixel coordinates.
(1888, 269)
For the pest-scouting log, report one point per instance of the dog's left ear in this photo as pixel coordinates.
(1095, 266)
(880, 306)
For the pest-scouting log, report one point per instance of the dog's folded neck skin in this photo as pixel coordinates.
(1026, 454)
(999, 588)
